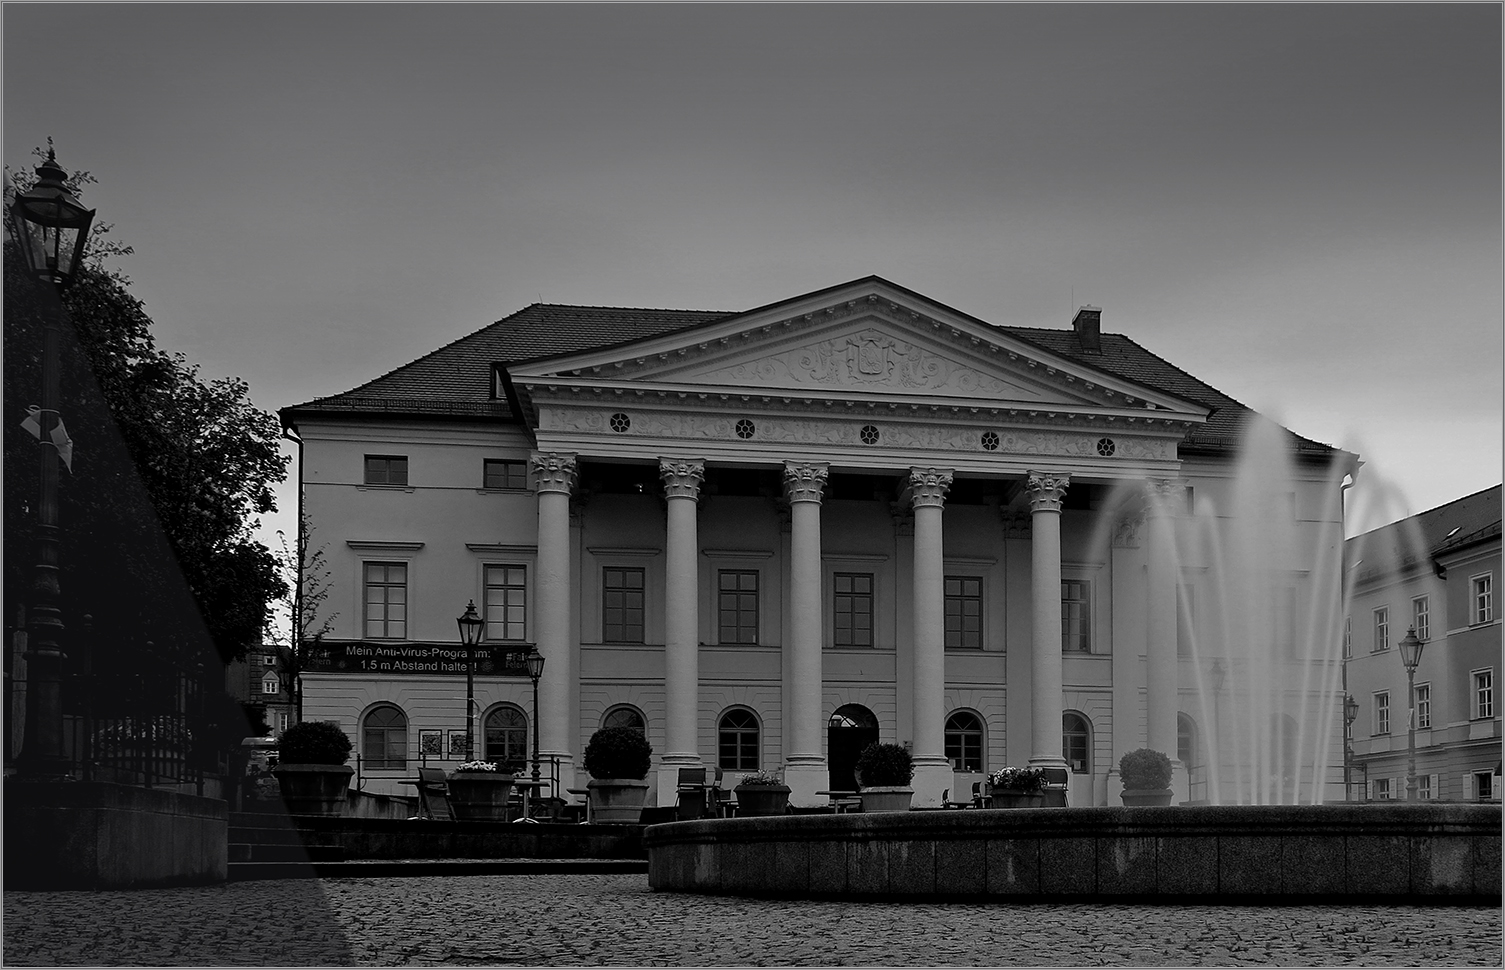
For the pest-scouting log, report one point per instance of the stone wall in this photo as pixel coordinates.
(1418, 853)
(99, 835)
(381, 838)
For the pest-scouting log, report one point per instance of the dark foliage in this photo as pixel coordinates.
(618, 752)
(1145, 768)
(314, 743)
(885, 765)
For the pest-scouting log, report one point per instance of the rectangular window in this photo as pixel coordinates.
(386, 600)
(504, 474)
(1382, 712)
(622, 602)
(964, 612)
(269, 660)
(269, 686)
(1481, 598)
(386, 469)
(281, 723)
(1347, 637)
(853, 610)
(1484, 785)
(1484, 694)
(964, 749)
(737, 605)
(1076, 623)
(1186, 615)
(1381, 789)
(1421, 618)
(1423, 706)
(1382, 629)
(1423, 786)
(506, 602)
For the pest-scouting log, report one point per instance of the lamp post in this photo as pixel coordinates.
(1410, 655)
(1350, 714)
(534, 663)
(51, 229)
(470, 634)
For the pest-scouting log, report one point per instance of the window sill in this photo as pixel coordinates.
(503, 491)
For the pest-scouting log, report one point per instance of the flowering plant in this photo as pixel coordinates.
(1018, 779)
(477, 766)
(760, 778)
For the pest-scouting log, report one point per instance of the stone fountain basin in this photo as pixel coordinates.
(1426, 853)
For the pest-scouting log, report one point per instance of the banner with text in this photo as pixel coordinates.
(379, 657)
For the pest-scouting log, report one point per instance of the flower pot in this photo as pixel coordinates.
(314, 789)
(1013, 798)
(479, 796)
(616, 801)
(1147, 796)
(762, 800)
(886, 798)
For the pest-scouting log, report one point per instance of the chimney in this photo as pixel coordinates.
(1088, 327)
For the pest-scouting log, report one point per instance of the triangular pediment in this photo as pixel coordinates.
(869, 339)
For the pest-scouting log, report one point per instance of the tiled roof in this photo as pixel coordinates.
(1435, 532)
(455, 380)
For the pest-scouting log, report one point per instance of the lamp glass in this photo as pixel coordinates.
(470, 625)
(1410, 650)
(52, 227)
(534, 662)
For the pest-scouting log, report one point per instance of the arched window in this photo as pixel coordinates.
(384, 738)
(854, 716)
(625, 716)
(737, 740)
(1076, 741)
(964, 741)
(1186, 740)
(506, 737)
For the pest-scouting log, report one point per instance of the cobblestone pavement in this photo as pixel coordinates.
(595, 920)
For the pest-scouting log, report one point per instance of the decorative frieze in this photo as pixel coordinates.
(803, 481)
(1016, 524)
(1128, 527)
(927, 487)
(1046, 491)
(554, 471)
(682, 477)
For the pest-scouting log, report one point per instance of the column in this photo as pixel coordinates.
(1166, 497)
(554, 477)
(682, 480)
(1045, 493)
(805, 771)
(927, 493)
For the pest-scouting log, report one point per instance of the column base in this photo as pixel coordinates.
(932, 776)
(804, 779)
(666, 776)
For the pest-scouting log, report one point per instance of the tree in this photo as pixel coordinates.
(306, 575)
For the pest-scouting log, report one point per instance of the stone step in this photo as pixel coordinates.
(248, 852)
(385, 868)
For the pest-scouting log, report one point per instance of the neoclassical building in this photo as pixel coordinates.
(769, 537)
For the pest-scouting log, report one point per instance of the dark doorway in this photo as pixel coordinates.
(852, 728)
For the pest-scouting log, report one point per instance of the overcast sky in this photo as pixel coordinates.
(1300, 205)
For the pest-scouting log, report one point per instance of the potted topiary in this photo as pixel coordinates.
(311, 769)
(1146, 775)
(478, 792)
(617, 759)
(885, 771)
(762, 793)
(1016, 787)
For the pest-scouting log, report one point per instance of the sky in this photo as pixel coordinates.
(1300, 205)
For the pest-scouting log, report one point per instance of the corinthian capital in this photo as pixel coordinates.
(927, 487)
(553, 471)
(682, 477)
(1045, 491)
(803, 480)
(1166, 496)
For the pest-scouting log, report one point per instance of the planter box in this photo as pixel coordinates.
(762, 800)
(886, 798)
(1147, 796)
(314, 789)
(616, 801)
(1012, 798)
(479, 796)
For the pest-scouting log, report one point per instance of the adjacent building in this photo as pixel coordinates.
(1434, 573)
(769, 537)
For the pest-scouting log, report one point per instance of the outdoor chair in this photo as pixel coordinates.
(721, 799)
(1054, 788)
(692, 794)
(433, 795)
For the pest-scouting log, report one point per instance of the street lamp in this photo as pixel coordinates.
(51, 229)
(470, 634)
(1410, 655)
(534, 662)
(1350, 714)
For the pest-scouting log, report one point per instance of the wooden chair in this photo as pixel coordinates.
(433, 795)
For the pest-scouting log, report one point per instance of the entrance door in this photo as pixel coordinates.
(852, 728)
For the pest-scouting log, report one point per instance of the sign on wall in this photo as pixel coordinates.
(380, 657)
